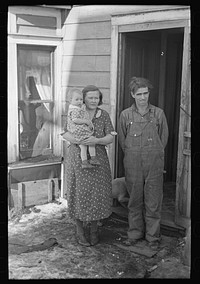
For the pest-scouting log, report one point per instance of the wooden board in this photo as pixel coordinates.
(100, 79)
(86, 63)
(29, 30)
(86, 47)
(87, 31)
(146, 251)
(33, 193)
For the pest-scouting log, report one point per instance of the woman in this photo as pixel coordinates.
(89, 190)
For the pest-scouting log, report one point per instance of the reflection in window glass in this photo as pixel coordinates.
(35, 102)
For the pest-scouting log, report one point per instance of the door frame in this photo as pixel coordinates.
(173, 17)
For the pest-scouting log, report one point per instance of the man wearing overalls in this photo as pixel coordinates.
(143, 135)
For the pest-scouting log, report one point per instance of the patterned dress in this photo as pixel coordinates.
(79, 131)
(88, 191)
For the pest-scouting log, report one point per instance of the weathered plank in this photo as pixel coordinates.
(87, 47)
(183, 188)
(86, 63)
(33, 193)
(100, 79)
(146, 251)
(88, 31)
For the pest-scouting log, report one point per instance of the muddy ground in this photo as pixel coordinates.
(42, 245)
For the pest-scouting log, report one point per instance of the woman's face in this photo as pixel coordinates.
(92, 99)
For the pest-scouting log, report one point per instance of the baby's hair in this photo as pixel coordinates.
(72, 91)
(138, 82)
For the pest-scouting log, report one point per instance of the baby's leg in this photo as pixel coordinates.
(92, 150)
(94, 160)
(85, 163)
(83, 152)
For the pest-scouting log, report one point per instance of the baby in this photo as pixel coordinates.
(79, 124)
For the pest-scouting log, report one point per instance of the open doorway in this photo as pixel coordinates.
(157, 56)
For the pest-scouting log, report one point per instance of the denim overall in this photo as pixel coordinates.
(144, 165)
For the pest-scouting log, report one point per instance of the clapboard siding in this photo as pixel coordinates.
(87, 47)
(86, 63)
(100, 79)
(88, 31)
(86, 54)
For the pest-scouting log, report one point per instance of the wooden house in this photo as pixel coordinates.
(54, 48)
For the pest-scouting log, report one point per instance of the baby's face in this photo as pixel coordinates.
(77, 99)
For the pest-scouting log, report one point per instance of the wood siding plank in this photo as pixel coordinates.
(86, 63)
(87, 47)
(100, 79)
(88, 31)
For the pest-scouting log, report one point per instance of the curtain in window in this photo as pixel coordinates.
(37, 65)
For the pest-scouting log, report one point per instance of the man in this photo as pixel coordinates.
(143, 135)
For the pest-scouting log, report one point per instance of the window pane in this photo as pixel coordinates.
(35, 102)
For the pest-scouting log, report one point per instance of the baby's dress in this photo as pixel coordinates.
(79, 131)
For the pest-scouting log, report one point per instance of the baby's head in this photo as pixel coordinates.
(76, 97)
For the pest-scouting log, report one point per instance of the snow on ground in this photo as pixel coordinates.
(42, 245)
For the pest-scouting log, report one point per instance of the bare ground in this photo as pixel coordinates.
(42, 245)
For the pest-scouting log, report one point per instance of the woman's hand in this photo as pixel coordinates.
(90, 141)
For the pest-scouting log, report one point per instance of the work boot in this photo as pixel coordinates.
(94, 235)
(80, 234)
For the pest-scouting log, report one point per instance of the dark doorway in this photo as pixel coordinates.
(156, 55)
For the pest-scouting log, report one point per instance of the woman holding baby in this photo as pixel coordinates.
(89, 189)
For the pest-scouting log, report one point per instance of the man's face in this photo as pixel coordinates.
(141, 96)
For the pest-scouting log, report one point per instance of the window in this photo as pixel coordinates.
(35, 100)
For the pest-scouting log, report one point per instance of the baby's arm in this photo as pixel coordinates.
(81, 121)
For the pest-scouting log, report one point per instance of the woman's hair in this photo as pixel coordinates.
(138, 82)
(72, 91)
(92, 88)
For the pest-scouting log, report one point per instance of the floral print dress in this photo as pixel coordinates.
(89, 191)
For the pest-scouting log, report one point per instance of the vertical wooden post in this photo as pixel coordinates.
(50, 190)
(21, 196)
(113, 87)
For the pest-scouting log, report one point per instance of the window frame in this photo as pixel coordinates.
(35, 11)
(49, 101)
(14, 40)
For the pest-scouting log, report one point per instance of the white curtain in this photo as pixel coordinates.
(42, 82)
